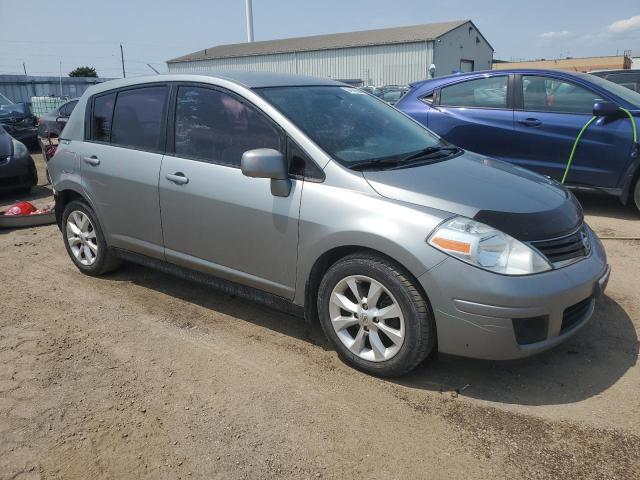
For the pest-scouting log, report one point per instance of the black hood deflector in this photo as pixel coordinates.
(561, 221)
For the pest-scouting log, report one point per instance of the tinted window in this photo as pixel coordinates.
(67, 108)
(546, 94)
(137, 117)
(349, 124)
(217, 127)
(102, 113)
(488, 92)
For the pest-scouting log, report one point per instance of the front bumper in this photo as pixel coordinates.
(481, 314)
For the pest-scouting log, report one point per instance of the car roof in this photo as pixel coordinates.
(244, 78)
(488, 73)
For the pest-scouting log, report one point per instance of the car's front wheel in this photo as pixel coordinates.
(375, 316)
(84, 240)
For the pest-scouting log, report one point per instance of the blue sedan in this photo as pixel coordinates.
(532, 117)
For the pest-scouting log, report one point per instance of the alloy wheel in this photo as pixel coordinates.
(367, 318)
(81, 236)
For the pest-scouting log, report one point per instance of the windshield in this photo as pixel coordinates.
(349, 124)
(618, 90)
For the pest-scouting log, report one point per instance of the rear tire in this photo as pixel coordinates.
(85, 241)
(636, 193)
(387, 329)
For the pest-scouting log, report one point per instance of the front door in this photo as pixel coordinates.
(551, 113)
(214, 218)
(476, 115)
(121, 163)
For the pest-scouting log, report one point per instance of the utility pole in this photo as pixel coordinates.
(151, 67)
(24, 67)
(60, 78)
(249, 21)
(124, 75)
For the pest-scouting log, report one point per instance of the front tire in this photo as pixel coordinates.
(85, 241)
(375, 316)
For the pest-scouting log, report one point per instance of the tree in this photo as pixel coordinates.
(83, 72)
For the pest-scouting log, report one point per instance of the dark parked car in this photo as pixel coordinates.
(51, 124)
(17, 170)
(532, 117)
(18, 121)
(626, 78)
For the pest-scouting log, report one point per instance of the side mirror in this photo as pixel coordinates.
(268, 163)
(605, 109)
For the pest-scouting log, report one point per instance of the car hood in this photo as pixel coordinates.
(6, 145)
(523, 204)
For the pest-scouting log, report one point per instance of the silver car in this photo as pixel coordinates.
(322, 200)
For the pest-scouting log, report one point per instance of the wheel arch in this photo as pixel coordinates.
(335, 254)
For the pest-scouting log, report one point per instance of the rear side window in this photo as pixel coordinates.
(101, 120)
(488, 92)
(216, 127)
(137, 117)
(546, 94)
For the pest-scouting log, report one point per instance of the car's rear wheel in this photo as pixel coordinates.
(375, 316)
(636, 193)
(84, 240)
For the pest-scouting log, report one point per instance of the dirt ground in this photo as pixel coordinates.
(141, 375)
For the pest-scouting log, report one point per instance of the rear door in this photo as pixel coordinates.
(121, 161)
(550, 113)
(214, 218)
(476, 115)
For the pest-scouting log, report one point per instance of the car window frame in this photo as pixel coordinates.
(437, 99)
(170, 144)
(88, 131)
(308, 158)
(519, 92)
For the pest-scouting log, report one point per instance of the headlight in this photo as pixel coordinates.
(485, 247)
(19, 149)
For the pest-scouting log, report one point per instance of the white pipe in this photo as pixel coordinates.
(249, 21)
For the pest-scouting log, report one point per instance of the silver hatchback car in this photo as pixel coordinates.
(318, 198)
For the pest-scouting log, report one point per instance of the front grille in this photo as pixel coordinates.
(560, 250)
(575, 314)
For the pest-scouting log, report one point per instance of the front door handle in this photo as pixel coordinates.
(178, 178)
(530, 122)
(92, 160)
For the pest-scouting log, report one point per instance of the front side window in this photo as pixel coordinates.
(349, 124)
(216, 127)
(101, 120)
(489, 92)
(137, 117)
(546, 94)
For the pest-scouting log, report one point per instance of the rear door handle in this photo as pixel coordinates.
(178, 178)
(530, 122)
(92, 160)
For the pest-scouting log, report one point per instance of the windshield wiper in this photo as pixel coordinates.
(426, 153)
(429, 152)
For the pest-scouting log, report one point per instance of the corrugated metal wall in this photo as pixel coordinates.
(21, 88)
(375, 65)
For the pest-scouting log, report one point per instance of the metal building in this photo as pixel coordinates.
(373, 57)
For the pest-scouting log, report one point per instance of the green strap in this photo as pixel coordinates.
(633, 124)
(575, 143)
(573, 149)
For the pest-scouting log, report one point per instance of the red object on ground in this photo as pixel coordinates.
(21, 208)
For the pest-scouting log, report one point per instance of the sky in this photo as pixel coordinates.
(49, 37)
